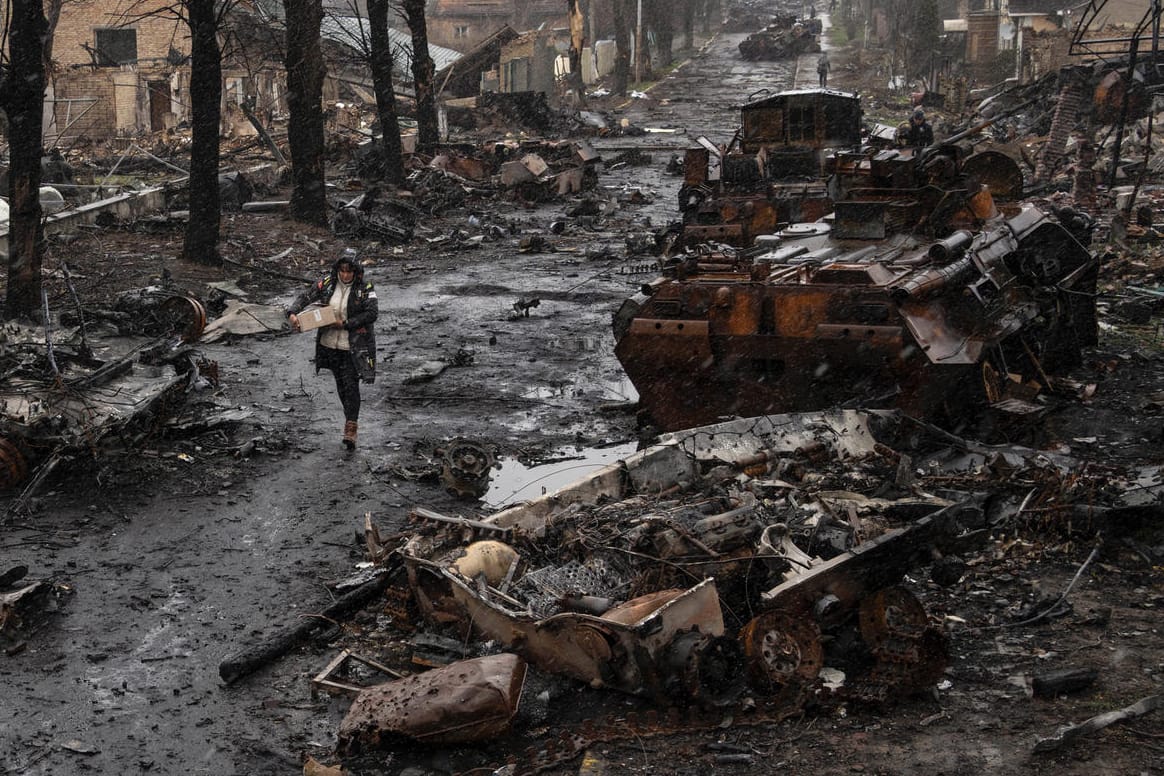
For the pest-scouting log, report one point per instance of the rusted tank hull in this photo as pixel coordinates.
(686, 376)
(737, 219)
(931, 328)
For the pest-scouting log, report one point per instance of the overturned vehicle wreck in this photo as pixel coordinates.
(65, 392)
(629, 581)
(929, 288)
(720, 572)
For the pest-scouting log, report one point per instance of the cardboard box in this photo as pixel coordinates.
(316, 317)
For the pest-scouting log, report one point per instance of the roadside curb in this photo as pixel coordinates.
(702, 50)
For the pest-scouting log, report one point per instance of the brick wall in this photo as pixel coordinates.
(97, 119)
(1047, 51)
(155, 35)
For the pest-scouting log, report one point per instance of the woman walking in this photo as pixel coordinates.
(348, 346)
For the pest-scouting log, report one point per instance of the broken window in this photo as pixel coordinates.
(800, 123)
(116, 46)
(461, 31)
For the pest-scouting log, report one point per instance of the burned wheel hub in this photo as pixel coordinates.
(891, 620)
(781, 650)
(910, 651)
(184, 316)
(13, 466)
(465, 467)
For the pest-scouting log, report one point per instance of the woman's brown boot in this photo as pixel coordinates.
(350, 434)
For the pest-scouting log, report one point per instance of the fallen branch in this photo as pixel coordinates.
(1069, 733)
(249, 660)
(1055, 606)
(267, 271)
(272, 146)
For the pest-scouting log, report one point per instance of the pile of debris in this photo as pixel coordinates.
(58, 400)
(743, 570)
(527, 171)
(503, 111)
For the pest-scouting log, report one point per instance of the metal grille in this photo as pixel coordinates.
(543, 587)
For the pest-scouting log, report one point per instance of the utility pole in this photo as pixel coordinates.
(1155, 41)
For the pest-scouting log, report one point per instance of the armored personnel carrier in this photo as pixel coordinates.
(784, 38)
(772, 172)
(918, 291)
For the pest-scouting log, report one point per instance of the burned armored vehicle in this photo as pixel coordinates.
(682, 573)
(919, 291)
(65, 392)
(785, 37)
(774, 170)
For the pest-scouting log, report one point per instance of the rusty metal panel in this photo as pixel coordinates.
(761, 125)
(471, 700)
(695, 166)
(800, 311)
(859, 220)
(998, 172)
(877, 336)
(725, 233)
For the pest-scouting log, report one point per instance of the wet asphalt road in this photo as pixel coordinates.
(176, 568)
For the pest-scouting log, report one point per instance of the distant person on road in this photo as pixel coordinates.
(348, 346)
(822, 69)
(919, 134)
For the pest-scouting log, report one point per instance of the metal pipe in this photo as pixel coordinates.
(946, 249)
(933, 280)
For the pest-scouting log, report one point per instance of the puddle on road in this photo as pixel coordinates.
(610, 390)
(514, 482)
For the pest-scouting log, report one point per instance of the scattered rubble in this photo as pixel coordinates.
(750, 568)
(742, 580)
(59, 401)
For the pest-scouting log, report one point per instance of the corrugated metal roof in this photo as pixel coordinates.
(352, 31)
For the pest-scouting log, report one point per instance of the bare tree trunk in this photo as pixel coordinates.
(381, 63)
(622, 46)
(305, 72)
(202, 230)
(689, 24)
(708, 9)
(642, 47)
(428, 135)
(577, 42)
(22, 98)
(661, 23)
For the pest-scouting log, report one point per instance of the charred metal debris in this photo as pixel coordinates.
(93, 378)
(784, 37)
(24, 602)
(529, 173)
(871, 277)
(743, 571)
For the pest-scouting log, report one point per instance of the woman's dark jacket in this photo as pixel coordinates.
(363, 309)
